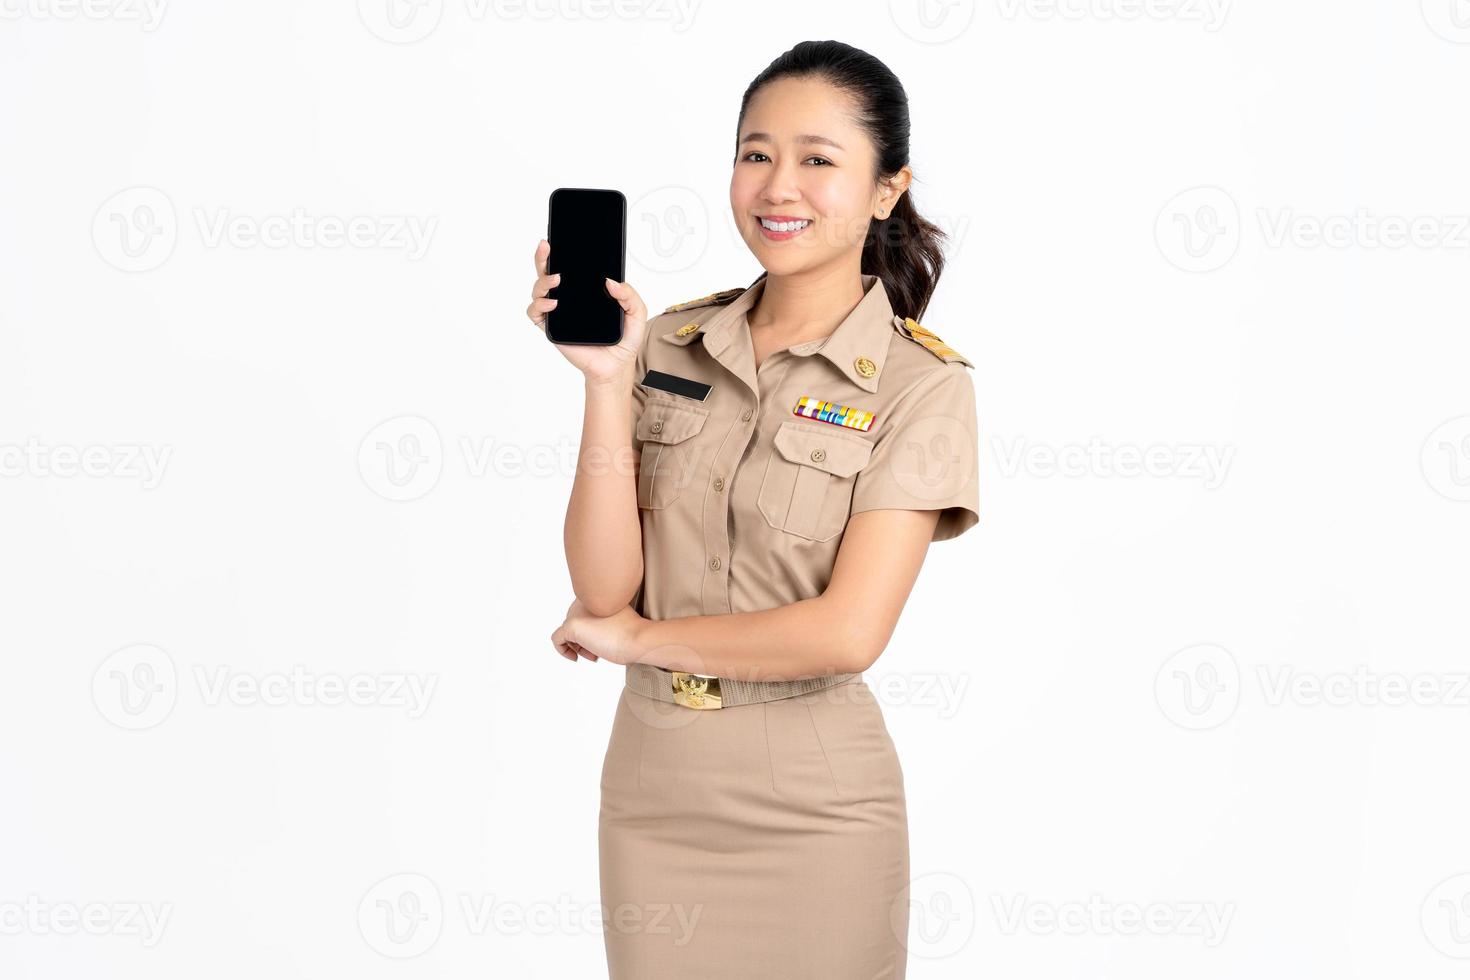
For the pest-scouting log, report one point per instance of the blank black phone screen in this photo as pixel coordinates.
(586, 229)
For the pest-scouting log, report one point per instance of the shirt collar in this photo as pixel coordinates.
(857, 348)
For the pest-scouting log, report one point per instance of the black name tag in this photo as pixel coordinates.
(676, 385)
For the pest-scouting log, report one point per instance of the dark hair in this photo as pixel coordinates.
(902, 249)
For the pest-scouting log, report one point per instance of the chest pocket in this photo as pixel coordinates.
(669, 458)
(807, 487)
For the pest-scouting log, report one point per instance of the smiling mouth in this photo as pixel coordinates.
(795, 224)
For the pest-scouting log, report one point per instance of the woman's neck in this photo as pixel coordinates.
(805, 305)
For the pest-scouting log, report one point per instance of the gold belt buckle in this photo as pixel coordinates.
(696, 690)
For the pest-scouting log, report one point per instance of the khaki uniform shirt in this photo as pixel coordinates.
(744, 495)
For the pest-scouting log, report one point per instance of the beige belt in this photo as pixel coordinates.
(704, 691)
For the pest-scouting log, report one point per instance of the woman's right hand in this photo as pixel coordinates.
(597, 362)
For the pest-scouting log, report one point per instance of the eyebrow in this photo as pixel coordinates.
(806, 138)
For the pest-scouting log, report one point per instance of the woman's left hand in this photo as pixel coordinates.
(612, 638)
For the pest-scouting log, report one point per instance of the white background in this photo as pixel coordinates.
(1179, 231)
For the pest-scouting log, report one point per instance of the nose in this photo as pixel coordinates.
(781, 185)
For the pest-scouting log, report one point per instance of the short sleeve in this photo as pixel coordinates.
(926, 456)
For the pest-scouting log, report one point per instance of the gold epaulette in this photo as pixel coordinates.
(713, 299)
(928, 339)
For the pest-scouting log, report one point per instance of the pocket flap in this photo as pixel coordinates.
(829, 451)
(665, 422)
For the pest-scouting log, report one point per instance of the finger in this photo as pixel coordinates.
(544, 284)
(543, 252)
(627, 298)
(538, 309)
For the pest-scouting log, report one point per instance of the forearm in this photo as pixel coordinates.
(602, 535)
(810, 638)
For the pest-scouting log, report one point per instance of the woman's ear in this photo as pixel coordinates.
(891, 189)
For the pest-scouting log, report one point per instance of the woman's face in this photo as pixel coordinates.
(801, 157)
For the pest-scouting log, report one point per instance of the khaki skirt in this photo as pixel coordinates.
(762, 840)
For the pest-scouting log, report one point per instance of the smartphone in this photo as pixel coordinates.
(587, 228)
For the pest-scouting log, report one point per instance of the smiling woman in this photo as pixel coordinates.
(798, 443)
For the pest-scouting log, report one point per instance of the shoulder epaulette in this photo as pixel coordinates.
(928, 339)
(713, 299)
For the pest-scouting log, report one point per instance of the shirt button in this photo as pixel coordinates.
(657, 426)
(818, 455)
(719, 483)
(714, 563)
(746, 416)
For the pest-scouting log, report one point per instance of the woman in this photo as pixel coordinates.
(753, 551)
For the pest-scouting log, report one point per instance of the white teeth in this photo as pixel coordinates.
(784, 225)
